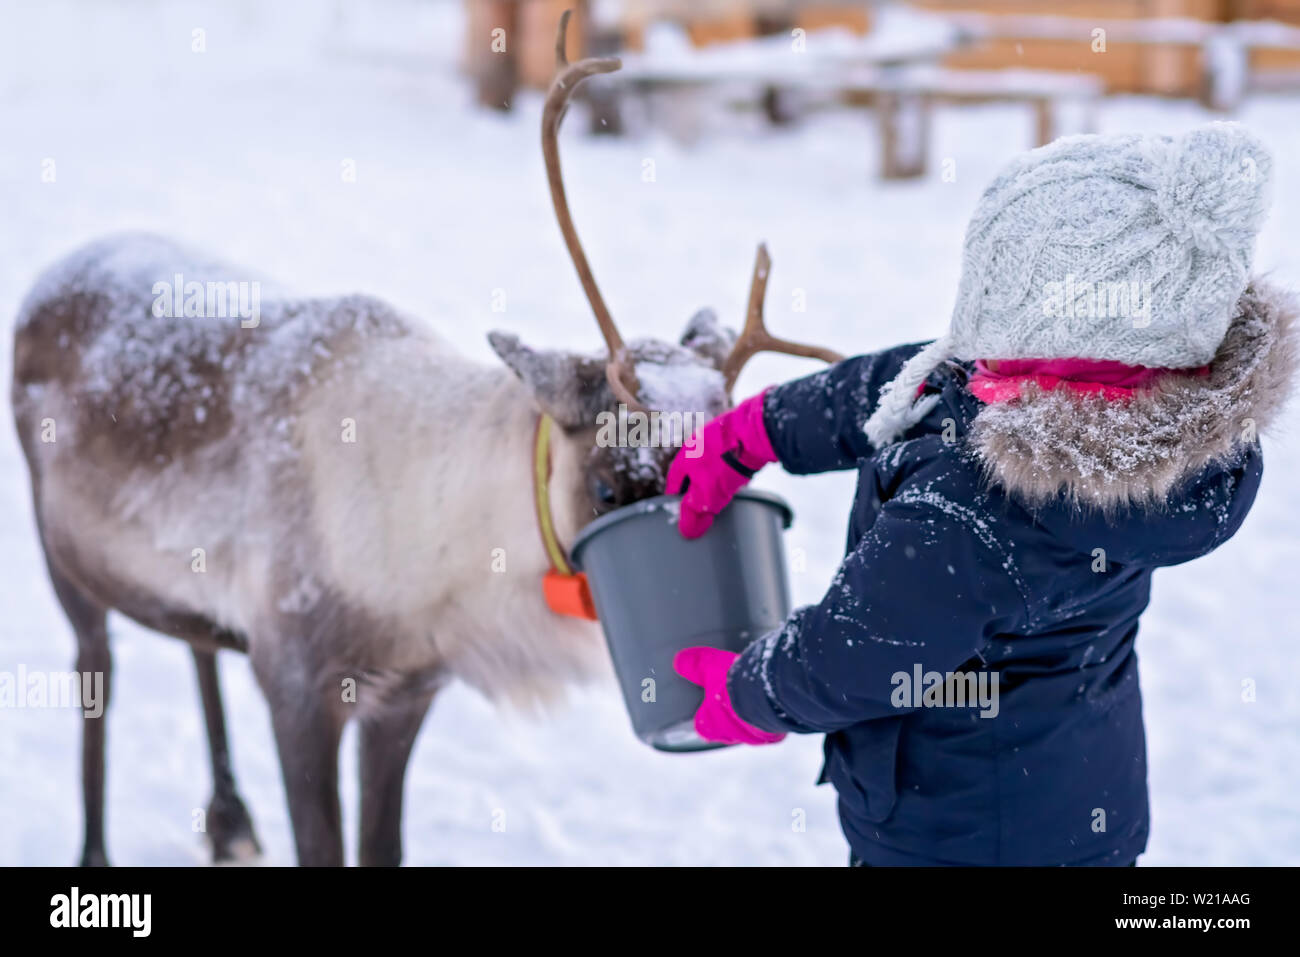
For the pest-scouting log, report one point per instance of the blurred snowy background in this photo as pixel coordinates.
(239, 150)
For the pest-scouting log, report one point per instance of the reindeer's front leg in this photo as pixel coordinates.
(307, 716)
(387, 736)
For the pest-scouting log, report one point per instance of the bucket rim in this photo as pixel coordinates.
(659, 503)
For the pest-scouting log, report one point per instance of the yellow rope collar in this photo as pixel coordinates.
(566, 591)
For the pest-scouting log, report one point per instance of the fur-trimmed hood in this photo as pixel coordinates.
(1114, 454)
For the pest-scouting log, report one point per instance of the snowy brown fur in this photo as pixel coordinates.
(1109, 454)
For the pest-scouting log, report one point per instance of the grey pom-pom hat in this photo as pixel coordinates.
(1127, 247)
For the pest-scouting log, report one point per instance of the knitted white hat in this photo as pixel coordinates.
(1127, 247)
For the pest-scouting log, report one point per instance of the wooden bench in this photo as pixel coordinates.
(769, 69)
(902, 93)
(1224, 49)
(904, 98)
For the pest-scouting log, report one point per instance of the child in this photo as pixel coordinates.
(972, 664)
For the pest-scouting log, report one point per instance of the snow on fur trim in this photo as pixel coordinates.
(1115, 454)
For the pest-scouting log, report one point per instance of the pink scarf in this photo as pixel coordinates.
(1112, 380)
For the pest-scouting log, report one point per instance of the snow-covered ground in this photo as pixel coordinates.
(241, 149)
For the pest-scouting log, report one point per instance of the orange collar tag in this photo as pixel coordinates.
(569, 595)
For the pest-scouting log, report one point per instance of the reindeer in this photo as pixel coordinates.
(196, 475)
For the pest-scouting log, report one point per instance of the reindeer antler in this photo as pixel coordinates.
(755, 338)
(618, 370)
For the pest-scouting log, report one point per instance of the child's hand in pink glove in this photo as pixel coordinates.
(716, 721)
(718, 462)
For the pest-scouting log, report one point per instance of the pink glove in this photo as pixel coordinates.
(716, 721)
(717, 463)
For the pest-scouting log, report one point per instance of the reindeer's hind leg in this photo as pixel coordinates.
(90, 624)
(229, 828)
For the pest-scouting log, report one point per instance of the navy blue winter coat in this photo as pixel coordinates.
(948, 571)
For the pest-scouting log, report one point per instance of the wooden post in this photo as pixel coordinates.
(602, 93)
(769, 22)
(1225, 72)
(904, 133)
(495, 56)
(1044, 120)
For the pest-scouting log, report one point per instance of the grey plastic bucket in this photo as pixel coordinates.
(657, 592)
